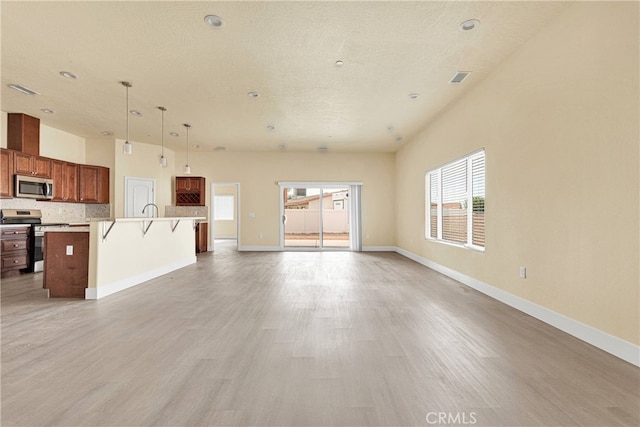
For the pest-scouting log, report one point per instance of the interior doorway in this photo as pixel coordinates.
(224, 217)
(139, 192)
(320, 216)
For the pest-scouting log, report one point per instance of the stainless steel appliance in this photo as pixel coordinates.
(31, 217)
(34, 187)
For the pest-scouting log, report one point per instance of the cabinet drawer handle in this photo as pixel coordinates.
(15, 245)
(15, 261)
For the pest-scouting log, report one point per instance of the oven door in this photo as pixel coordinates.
(37, 250)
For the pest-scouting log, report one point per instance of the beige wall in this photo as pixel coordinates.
(559, 121)
(258, 174)
(144, 162)
(225, 229)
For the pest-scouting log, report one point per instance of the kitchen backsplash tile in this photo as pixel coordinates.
(59, 212)
(177, 211)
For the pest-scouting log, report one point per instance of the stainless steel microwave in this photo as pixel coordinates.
(34, 187)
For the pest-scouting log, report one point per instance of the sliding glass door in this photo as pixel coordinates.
(316, 216)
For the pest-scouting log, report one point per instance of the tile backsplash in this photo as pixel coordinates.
(59, 212)
(176, 211)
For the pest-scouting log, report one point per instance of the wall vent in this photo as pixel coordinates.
(459, 77)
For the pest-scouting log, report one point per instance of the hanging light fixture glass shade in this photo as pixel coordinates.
(187, 168)
(163, 159)
(127, 148)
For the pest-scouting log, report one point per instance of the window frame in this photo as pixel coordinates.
(216, 206)
(468, 159)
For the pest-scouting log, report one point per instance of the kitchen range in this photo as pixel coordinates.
(33, 219)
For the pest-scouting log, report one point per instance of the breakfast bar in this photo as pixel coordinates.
(122, 252)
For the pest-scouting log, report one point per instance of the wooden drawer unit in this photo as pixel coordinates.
(15, 254)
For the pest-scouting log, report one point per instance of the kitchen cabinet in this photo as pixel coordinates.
(202, 231)
(93, 184)
(23, 133)
(190, 191)
(65, 181)
(27, 164)
(66, 270)
(6, 173)
(15, 255)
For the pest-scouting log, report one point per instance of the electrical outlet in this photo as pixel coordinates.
(523, 272)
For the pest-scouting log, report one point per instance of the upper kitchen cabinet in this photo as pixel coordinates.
(190, 191)
(65, 181)
(6, 173)
(93, 184)
(27, 164)
(23, 133)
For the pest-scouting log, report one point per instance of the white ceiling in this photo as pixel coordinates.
(285, 51)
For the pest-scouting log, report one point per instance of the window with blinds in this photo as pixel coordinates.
(455, 202)
(223, 207)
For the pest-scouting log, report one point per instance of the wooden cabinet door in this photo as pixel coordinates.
(22, 163)
(65, 181)
(57, 168)
(41, 167)
(93, 184)
(202, 231)
(6, 173)
(26, 164)
(70, 182)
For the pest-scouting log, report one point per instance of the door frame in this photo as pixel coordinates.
(310, 184)
(237, 213)
(126, 193)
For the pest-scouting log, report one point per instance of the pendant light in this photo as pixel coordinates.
(187, 168)
(127, 148)
(163, 159)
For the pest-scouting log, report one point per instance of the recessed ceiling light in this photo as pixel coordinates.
(390, 128)
(213, 21)
(195, 146)
(46, 111)
(23, 89)
(271, 127)
(398, 138)
(174, 134)
(469, 25)
(322, 148)
(68, 75)
(220, 149)
(253, 94)
(135, 113)
(414, 95)
(339, 63)
(282, 147)
(107, 133)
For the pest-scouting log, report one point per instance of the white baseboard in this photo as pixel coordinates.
(625, 350)
(379, 249)
(244, 248)
(120, 285)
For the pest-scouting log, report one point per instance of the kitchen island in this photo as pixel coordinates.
(124, 252)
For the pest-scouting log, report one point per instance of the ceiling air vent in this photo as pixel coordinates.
(460, 76)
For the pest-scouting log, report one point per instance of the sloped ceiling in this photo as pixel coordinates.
(286, 52)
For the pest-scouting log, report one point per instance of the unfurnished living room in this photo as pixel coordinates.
(301, 213)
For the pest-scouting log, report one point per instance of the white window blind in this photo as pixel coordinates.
(455, 196)
(223, 207)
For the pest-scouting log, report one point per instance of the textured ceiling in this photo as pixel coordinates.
(284, 51)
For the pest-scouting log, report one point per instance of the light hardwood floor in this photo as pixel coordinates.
(296, 339)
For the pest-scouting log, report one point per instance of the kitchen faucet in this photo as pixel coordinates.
(151, 204)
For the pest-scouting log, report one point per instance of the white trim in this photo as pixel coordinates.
(618, 347)
(379, 249)
(120, 285)
(259, 249)
(319, 184)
